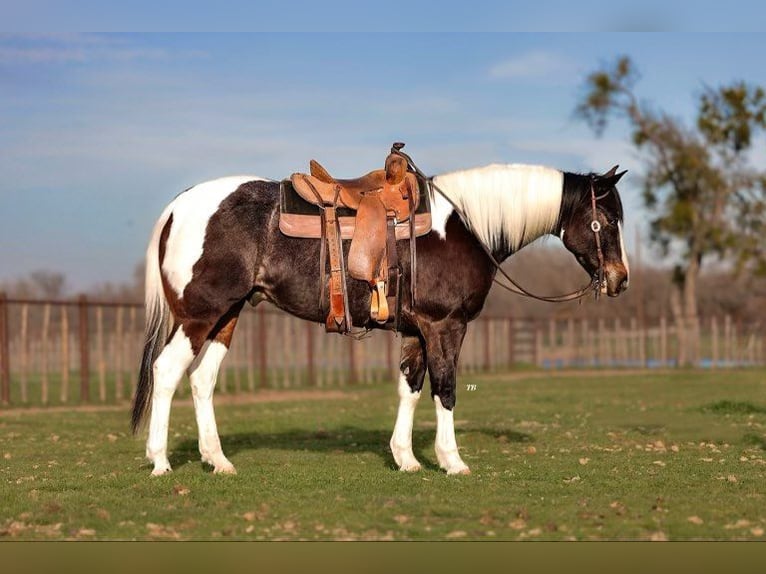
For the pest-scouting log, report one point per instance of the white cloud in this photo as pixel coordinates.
(535, 64)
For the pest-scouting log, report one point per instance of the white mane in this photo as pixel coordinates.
(507, 205)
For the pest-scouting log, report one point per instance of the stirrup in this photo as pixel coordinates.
(379, 305)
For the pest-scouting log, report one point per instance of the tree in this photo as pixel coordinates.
(703, 196)
(48, 284)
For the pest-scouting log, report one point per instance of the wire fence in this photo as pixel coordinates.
(82, 351)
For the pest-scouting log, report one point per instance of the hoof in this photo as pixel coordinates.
(460, 470)
(412, 467)
(228, 469)
(161, 471)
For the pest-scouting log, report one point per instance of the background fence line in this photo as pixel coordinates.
(47, 347)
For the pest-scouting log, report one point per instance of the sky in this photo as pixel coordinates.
(98, 132)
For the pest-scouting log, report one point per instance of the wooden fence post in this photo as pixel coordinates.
(585, 342)
(100, 360)
(64, 391)
(714, 342)
(618, 358)
(602, 344)
(119, 355)
(250, 354)
(287, 350)
(5, 353)
(310, 354)
(727, 339)
(132, 347)
(511, 343)
(487, 345)
(641, 337)
(84, 350)
(262, 374)
(352, 375)
(45, 355)
(572, 351)
(538, 345)
(24, 350)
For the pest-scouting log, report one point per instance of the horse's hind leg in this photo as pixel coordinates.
(169, 367)
(412, 371)
(202, 375)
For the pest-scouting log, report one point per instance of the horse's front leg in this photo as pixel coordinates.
(443, 342)
(412, 372)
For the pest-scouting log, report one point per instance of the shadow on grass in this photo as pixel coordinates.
(645, 429)
(340, 440)
(754, 440)
(727, 407)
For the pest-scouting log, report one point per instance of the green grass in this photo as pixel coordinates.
(557, 456)
(236, 381)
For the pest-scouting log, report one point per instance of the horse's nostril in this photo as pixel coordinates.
(624, 284)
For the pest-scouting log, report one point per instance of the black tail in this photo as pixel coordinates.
(157, 324)
(152, 348)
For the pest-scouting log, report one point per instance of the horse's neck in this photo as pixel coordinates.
(506, 206)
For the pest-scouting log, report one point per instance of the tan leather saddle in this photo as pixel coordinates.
(382, 200)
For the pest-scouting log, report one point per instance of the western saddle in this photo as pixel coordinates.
(383, 205)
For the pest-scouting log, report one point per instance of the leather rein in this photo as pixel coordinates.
(597, 282)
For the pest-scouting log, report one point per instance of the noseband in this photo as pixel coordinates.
(595, 226)
(597, 284)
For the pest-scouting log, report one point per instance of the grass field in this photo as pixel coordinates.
(581, 456)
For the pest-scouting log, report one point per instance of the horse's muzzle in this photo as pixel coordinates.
(616, 277)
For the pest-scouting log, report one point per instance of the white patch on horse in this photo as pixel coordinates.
(441, 209)
(169, 367)
(624, 255)
(510, 203)
(401, 440)
(191, 212)
(446, 445)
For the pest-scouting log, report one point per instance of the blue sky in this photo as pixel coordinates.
(98, 132)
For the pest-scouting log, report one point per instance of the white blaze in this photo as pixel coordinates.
(623, 252)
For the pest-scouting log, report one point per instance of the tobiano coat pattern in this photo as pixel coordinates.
(217, 246)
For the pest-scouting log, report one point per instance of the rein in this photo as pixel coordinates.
(596, 283)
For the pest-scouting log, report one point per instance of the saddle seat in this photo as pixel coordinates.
(380, 199)
(392, 186)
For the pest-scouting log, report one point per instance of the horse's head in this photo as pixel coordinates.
(591, 228)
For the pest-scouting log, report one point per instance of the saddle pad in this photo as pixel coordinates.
(299, 218)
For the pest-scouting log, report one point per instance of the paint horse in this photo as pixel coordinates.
(217, 246)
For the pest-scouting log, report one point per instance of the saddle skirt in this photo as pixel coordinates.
(301, 218)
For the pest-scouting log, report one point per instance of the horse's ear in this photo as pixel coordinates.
(618, 176)
(610, 178)
(610, 173)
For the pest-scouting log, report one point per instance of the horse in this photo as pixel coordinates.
(217, 246)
